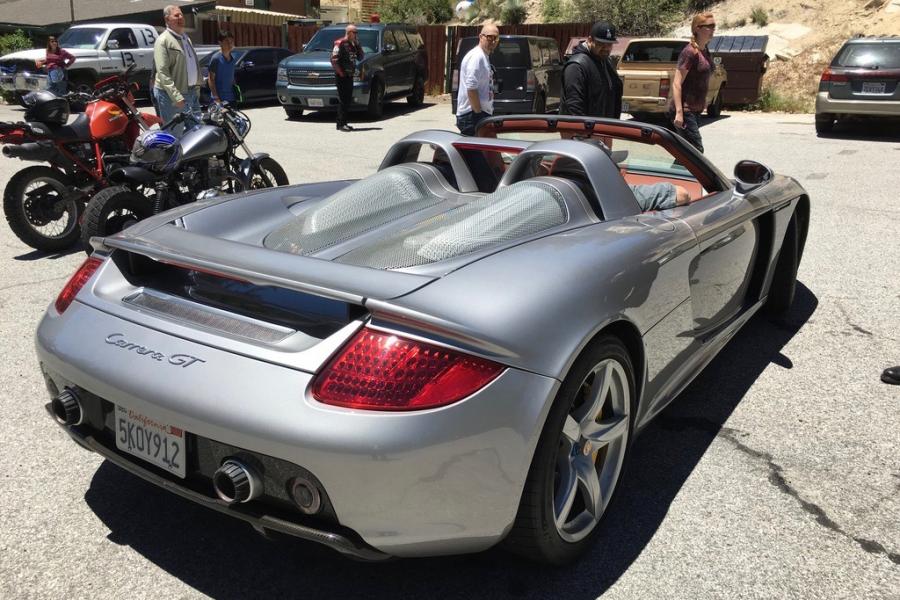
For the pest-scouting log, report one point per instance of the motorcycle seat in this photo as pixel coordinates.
(77, 130)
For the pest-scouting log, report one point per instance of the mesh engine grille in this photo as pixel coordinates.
(360, 207)
(519, 210)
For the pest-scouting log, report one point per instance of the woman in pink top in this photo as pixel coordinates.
(56, 63)
(691, 81)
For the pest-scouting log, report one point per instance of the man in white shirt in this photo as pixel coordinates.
(475, 98)
(177, 82)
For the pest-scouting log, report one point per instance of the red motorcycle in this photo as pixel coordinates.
(44, 204)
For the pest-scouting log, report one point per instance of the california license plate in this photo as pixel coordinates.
(151, 439)
(316, 102)
(624, 107)
(873, 87)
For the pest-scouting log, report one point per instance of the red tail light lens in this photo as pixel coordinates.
(664, 88)
(379, 371)
(530, 81)
(829, 75)
(76, 282)
(454, 85)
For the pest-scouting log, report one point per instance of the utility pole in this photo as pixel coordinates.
(72, 11)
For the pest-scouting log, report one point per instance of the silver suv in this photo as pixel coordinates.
(862, 79)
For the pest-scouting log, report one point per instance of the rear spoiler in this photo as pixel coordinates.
(261, 266)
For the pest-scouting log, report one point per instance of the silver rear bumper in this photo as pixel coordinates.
(825, 104)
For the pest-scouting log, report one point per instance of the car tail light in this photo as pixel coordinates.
(664, 87)
(76, 282)
(454, 81)
(530, 81)
(830, 76)
(380, 371)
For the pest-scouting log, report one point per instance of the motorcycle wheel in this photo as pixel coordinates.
(37, 212)
(110, 211)
(273, 171)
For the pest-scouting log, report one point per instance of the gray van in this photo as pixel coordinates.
(394, 65)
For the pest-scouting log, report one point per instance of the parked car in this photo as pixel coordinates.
(395, 65)
(432, 359)
(527, 74)
(863, 79)
(615, 53)
(647, 69)
(254, 72)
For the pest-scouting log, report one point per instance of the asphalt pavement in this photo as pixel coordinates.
(776, 474)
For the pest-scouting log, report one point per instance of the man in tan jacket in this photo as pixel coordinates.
(177, 82)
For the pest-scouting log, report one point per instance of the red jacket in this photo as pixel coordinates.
(344, 56)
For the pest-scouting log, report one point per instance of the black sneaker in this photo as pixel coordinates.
(345, 128)
(891, 376)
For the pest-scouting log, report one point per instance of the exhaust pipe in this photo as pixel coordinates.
(35, 151)
(235, 482)
(66, 408)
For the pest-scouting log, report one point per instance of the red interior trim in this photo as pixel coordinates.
(486, 147)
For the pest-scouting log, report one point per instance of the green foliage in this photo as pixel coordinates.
(487, 10)
(12, 42)
(631, 17)
(552, 11)
(760, 16)
(417, 12)
(513, 13)
(771, 100)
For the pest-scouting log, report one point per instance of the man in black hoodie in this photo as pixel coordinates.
(591, 86)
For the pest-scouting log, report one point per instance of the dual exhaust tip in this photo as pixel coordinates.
(234, 481)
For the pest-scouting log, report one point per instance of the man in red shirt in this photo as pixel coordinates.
(346, 53)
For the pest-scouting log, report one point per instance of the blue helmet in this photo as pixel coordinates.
(158, 151)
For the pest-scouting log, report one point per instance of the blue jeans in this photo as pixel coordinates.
(57, 79)
(467, 122)
(168, 110)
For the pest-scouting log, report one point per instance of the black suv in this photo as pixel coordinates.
(394, 65)
(527, 74)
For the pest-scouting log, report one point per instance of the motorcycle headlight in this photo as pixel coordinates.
(281, 76)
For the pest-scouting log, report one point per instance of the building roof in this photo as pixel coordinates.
(37, 13)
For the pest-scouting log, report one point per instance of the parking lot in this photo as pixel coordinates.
(776, 474)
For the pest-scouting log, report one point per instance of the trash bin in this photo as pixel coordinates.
(744, 58)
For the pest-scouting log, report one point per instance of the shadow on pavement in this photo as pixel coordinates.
(38, 254)
(868, 130)
(237, 563)
(397, 108)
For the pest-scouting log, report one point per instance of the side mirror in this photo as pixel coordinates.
(112, 45)
(388, 48)
(749, 175)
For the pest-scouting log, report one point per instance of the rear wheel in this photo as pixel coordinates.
(81, 83)
(417, 97)
(110, 211)
(376, 99)
(267, 169)
(580, 457)
(41, 210)
(293, 112)
(824, 123)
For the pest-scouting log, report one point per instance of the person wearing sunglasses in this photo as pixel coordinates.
(591, 86)
(475, 98)
(691, 82)
(56, 63)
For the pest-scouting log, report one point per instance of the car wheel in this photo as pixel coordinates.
(417, 97)
(540, 104)
(784, 281)
(715, 108)
(83, 84)
(293, 112)
(376, 99)
(580, 457)
(824, 124)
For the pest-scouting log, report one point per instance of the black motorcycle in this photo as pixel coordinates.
(202, 164)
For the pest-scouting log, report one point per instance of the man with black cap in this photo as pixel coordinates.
(591, 86)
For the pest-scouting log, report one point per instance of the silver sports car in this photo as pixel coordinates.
(455, 351)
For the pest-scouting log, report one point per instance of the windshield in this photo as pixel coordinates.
(82, 37)
(653, 51)
(324, 40)
(869, 56)
(508, 54)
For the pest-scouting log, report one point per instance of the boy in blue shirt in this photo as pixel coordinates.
(221, 71)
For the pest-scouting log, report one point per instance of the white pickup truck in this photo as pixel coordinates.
(100, 50)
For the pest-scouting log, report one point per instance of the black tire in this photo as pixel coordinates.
(293, 112)
(273, 171)
(535, 534)
(20, 98)
(540, 104)
(417, 97)
(824, 124)
(81, 82)
(715, 108)
(42, 220)
(376, 99)
(110, 211)
(784, 281)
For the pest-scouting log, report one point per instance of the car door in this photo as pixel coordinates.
(554, 75)
(727, 227)
(393, 62)
(407, 60)
(256, 73)
(119, 51)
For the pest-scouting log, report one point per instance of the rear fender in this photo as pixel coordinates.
(132, 174)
